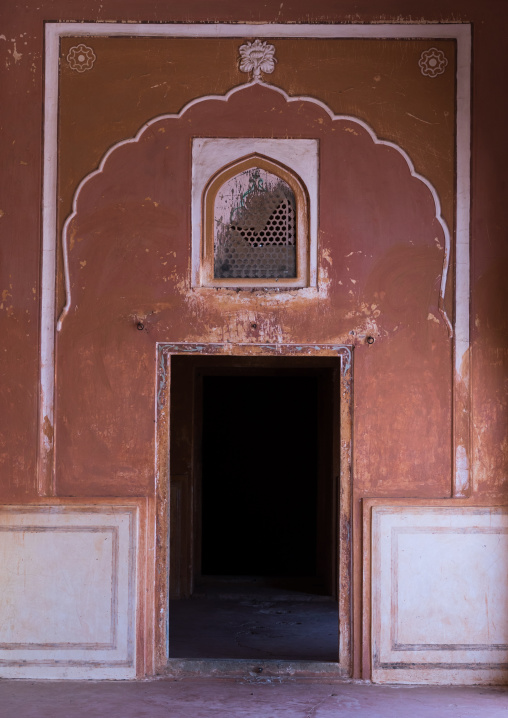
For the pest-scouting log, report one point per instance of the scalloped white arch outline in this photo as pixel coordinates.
(459, 32)
(288, 99)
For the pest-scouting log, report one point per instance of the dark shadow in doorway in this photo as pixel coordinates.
(256, 619)
(264, 510)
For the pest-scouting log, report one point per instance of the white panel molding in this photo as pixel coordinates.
(439, 594)
(69, 586)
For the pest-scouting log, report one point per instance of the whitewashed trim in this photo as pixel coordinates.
(462, 239)
(377, 31)
(54, 31)
(48, 271)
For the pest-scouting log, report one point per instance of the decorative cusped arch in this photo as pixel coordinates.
(148, 126)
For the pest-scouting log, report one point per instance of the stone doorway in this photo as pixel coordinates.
(254, 509)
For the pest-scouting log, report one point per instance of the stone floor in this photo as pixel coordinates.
(257, 698)
(247, 619)
(233, 632)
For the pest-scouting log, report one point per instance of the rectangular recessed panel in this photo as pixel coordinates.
(467, 565)
(439, 594)
(59, 585)
(68, 602)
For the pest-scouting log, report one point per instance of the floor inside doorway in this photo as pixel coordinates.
(249, 618)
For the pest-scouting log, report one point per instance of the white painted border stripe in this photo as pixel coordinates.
(414, 31)
(463, 152)
(48, 271)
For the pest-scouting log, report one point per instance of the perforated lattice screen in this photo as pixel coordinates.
(255, 227)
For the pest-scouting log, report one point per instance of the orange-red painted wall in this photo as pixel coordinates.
(380, 260)
(106, 368)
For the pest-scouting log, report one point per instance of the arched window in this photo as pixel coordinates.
(255, 226)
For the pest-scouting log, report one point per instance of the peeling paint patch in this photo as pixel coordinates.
(326, 255)
(16, 55)
(47, 430)
(432, 318)
(461, 472)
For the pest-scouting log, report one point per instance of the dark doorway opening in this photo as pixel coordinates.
(259, 475)
(253, 508)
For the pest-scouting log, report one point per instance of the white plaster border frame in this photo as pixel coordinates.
(54, 31)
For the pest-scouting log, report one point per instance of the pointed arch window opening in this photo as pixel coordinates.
(256, 226)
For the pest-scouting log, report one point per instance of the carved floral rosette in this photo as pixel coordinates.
(432, 62)
(81, 58)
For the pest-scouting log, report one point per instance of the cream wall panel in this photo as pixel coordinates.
(439, 594)
(68, 577)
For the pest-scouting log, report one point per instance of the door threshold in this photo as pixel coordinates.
(251, 669)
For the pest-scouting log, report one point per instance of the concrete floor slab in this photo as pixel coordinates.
(257, 698)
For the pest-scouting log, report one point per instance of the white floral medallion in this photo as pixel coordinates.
(81, 58)
(257, 57)
(432, 62)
